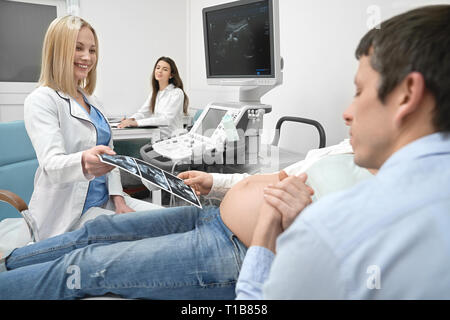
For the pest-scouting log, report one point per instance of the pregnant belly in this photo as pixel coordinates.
(240, 207)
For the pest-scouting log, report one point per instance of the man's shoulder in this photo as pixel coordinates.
(396, 221)
(336, 209)
(335, 173)
(358, 213)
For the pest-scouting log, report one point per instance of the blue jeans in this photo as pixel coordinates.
(173, 253)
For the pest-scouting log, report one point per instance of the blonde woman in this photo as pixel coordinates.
(68, 131)
(166, 104)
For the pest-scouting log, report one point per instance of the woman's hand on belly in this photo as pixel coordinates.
(242, 203)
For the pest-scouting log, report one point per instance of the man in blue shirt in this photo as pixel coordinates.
(387, 237)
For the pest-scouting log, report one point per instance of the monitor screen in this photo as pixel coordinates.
(238, 40)
(210, 122)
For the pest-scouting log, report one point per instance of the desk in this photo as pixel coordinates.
(136, 133)
(127, 139)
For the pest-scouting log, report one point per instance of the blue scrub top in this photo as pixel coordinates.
(98, 190)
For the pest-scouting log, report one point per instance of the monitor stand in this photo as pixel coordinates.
(253, 95)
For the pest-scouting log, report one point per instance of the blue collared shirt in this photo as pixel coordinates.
(386, 238)
(98, 190)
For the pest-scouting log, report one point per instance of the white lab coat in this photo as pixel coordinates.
(168, 112)
(60, 131)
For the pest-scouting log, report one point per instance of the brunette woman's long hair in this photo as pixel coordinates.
(175, 80)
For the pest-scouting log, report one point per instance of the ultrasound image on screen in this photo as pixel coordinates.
(210, 122)
(238, 40)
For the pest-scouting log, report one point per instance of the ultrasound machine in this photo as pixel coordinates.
(241, 49)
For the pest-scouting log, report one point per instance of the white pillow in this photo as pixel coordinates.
(14, 233)
(334, 173)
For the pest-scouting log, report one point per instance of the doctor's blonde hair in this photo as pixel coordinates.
(57, 68)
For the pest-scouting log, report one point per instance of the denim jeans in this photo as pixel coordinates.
(173, 253)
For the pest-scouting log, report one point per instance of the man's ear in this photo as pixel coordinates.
(411, 92)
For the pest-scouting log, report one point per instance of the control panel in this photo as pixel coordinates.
(215, 126)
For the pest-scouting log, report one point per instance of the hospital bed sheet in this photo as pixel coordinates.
(13, 234)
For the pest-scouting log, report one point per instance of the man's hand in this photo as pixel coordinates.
(282, 204)
(124, 123)
(92, 166)
(200, 181)
(289, 197)
(120, 204)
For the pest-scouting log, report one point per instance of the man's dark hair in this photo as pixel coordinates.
(418, 40)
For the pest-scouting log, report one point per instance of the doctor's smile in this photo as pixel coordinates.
(82, 66)
(85, 54)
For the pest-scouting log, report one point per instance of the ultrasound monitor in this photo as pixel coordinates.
(242, 43)
(239, 48)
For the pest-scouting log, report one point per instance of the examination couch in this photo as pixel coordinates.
(18, 164)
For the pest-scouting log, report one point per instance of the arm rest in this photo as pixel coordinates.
(317, 125)
(13, 199)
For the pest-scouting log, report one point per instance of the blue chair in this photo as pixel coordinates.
(18, 164)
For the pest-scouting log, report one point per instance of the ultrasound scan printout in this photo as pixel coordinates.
(153, 175)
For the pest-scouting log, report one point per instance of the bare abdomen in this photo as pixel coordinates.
(240, 207)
